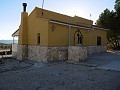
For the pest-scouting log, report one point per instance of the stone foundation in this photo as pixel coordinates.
(40, 53)
(57, 53)
(22, 52)
(96, 49)
(37, 53)
(77, 53)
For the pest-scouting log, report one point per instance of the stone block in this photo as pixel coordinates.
(77, 53)
(22, 52)
(95, 49)
(37, 53)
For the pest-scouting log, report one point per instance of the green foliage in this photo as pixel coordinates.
(117, 7)
(111, 20)
(5, 46)
(104, 19)
(117, 1)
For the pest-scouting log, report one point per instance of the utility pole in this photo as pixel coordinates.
(42, 6)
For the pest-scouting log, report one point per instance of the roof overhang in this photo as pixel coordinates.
(16, 33)
(94, 26)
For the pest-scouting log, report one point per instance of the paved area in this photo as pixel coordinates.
(60, 76)
(98, 72)
(108, 60)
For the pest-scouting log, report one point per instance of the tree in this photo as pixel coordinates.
(104, 19)
(111, 20)
(117, 7)
(117, 1)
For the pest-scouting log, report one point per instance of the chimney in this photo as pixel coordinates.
(24, 7)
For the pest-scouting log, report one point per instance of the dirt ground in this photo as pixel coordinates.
(31, 75)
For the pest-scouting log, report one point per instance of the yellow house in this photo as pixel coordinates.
(45, 35)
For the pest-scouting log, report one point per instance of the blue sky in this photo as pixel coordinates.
(11, 11)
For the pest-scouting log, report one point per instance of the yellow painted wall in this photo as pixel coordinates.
(23, 29)
(35, 26)
(85, 36)
(63, 18)
(59, 37)
(96, 32)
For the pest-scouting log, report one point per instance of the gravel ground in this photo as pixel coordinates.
(55, 76)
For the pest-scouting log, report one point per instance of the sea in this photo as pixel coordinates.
(8, 41)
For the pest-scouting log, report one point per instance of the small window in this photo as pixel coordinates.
(38, 38)
(98, 41)
(79, 40)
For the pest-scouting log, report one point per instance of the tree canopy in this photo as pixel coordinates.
(111, 20)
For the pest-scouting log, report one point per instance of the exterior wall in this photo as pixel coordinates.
(29, 28)
(22, 52)
(57, 53)
(54, 41)
(63, 18)
(35, 26)
(40, 53)
(37, 53)
(92, 37)
(77, 53)
(23, 29)
(59, 37)
(85, 36)
(14, 50)
(96, 49)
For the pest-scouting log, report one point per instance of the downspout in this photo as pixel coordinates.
(69, 35)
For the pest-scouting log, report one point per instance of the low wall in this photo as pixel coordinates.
(14, 50)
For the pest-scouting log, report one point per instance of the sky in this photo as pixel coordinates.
(10, 11)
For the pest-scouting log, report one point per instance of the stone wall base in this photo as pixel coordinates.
(77, 53)
(57, 53)
(22, 52)
(40, 53)
(96, 49)
(37, 53)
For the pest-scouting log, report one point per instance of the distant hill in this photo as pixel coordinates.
(7, 41)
